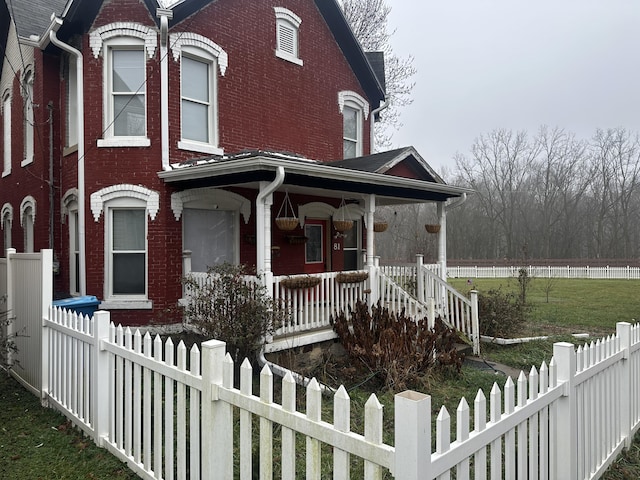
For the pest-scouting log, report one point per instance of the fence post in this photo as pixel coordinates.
(475, 322)
(566, 428)
(10, 301)
(623, 332)
(101, 389)
(216, 427)
(412, 436)
(419, 277)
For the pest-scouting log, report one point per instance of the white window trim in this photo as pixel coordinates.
(202, 49)
(28, 117)
(286, 18)
(71, 124)
(101, 40)
(27, 222)
(212, 198)
(68, 208)
(347, 98)
(124, 196)
(6, 132)
(6, 219)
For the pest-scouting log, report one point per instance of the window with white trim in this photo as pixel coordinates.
(125, 47)
(70, 210)
(6, 219)
(355, 110)
(6, 133)
(287, 35)
(28, 119)
(27, 219)
(200, 61)
(126, 208)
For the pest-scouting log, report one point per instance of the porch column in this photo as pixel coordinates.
(442, 241)
(372, 268)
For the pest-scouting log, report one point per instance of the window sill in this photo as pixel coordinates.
(69, 150)
(289, 58)
(199, 147)
(114, 304)
(26, 161)
(6, 173)
(124, 142)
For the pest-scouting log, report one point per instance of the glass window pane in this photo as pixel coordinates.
(313, 247)
(351, 237)
(210, 235)
(128, 273)
(350, 123)
(349, 149)
(129, 230)
(128, 70)
(195, 79)
(195, 121)
(129, 115)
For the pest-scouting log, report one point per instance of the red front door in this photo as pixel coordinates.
(315, 253)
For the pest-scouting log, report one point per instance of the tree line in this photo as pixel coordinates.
(547, 195)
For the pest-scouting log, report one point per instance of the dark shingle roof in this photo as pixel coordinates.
(33, 17)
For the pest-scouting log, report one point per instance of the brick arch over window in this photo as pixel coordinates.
(123, 29)
(180, 40)
(27, 202)
(221, 199)
(150, 197)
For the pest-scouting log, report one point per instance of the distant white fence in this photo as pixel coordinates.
(608, 273)
(170, 413)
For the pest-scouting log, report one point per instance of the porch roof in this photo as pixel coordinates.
(362, 175)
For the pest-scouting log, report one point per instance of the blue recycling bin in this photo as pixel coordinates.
(85, 305)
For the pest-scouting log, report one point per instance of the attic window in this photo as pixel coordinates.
(287, 44)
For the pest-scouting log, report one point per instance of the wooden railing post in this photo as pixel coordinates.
(216, 424)
(475, 322)
(412, 435)
(420, 277)
(623, 331)
(101, 389)
(566, 428)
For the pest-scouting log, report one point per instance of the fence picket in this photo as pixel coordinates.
(169, 395)
(479, 424)
(462, 435)
(288, 435)
(342, 423)
(246, 387)
(373, 434)
(495, 399)
(314, 410)
(194, 415)
(266, 426)
(147, 377)
(443, 437)
(157, 410)
(510, 436)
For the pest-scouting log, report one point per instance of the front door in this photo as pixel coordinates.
(315, 252)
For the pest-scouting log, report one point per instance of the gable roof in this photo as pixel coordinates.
(33, 17)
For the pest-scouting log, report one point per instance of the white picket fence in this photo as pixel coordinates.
(542, 271)
(170, 413)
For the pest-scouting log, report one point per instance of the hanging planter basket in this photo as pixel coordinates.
(286, 219)
(432, 227)
(380, 226)
(342, 225)
(298, 283)
(351, 277)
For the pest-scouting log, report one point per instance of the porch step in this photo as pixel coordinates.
(300, 339)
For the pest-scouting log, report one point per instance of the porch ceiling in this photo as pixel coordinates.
(310, 177)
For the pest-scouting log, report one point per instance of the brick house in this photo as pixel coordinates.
(142, 140)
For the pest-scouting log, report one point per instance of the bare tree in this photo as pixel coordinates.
(368, 20)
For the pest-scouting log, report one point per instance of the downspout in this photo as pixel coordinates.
(372, 140)
(51, 189)
(165, 16)
(57, 23)
(263, 226)
(443, 208)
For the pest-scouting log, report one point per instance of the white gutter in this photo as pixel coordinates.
(165, 16)
(57, 23)
(457, 202)
(263, 225)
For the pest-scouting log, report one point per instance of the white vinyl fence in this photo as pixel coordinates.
(170, 413)
(542, 271)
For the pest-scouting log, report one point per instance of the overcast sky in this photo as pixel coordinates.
(515, 64)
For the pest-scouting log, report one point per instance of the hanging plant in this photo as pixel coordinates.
(286, 219)
(351, 277)
(380, 226)
(296, 283)
(342, 224)
(432, 228)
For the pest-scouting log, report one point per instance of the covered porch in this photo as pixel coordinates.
(327, 260)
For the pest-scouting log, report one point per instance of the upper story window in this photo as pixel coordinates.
(125, 48)
(287, 30)
(6, 133)
(126, 208)
(355, 110)
(27, 91)
(71, 137)
(200, 60)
